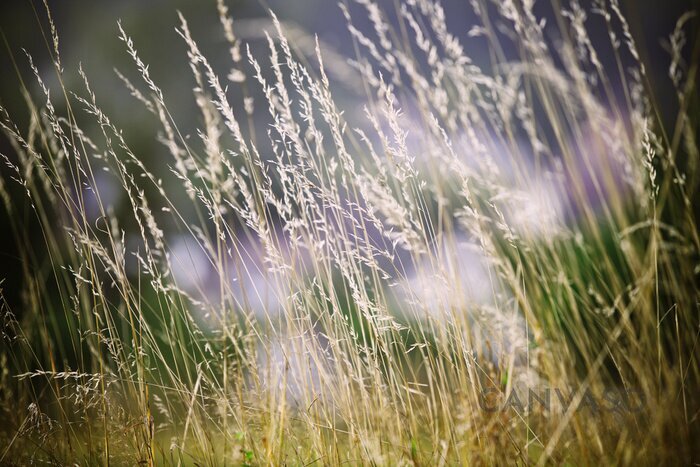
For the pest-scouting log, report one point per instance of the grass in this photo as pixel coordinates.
(363, 289)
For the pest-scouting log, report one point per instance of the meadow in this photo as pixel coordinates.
(476, 263)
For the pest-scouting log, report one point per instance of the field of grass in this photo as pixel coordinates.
(480, 263)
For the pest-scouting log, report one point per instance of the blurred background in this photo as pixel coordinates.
(89, 37)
